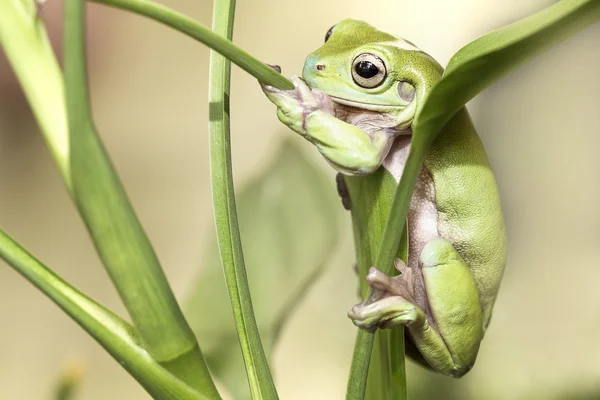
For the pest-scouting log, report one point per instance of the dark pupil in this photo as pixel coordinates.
(329, 32)
(366, 69)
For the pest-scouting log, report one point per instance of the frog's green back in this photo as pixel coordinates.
(468, 204)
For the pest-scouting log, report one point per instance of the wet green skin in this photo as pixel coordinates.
(445, 293)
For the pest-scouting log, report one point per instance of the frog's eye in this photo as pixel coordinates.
(368, 70)
(329, 32)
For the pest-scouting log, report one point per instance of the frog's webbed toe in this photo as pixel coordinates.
(385, 286)
(391, 302)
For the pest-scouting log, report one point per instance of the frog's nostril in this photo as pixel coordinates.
(320, 67)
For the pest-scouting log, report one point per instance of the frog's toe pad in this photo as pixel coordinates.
(385, 313)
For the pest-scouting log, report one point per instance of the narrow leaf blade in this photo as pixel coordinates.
(258, 374)
(116, 231)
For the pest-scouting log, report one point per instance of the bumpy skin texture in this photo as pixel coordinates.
(358, 116)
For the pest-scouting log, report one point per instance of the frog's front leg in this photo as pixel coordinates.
(311, 113)
(449, 332)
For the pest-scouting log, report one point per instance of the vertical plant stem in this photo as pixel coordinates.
(398, 363)
(393, 243)
(377, 364)
(361, 359)
(396, 223)
(117, 233)
(228, 233)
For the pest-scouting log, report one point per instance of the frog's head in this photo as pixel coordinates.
(362, 67)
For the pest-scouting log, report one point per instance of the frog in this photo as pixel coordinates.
(356, 102)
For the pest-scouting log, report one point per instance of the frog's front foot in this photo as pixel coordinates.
(295, 105)
(391, 302)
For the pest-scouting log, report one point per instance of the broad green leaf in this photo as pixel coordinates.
(118, 235)
(289, 219)
(117, 337)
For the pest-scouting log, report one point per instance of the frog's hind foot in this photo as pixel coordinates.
(390, 303)
(385, 313)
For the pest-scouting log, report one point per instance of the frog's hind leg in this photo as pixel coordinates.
(453, 301)
(449, 333)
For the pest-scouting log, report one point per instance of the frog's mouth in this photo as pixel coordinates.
(366, 106)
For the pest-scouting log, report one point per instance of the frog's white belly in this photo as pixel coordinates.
(422, 213)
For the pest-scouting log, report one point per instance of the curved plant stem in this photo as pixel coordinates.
(116, 336)
(186, 25)
(228, 233)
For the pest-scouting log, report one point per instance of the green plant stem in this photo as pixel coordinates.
(390, 241)
(111, 332)
(394, 229)
(361, 359)
(396, 223)
(186, 25)
(117, 233)
(228, 233)
(397, 363)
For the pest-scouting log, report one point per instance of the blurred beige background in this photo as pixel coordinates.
(541, 126)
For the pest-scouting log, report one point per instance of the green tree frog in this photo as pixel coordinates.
(356, 101)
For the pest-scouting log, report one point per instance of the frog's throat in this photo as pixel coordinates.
(367, 106)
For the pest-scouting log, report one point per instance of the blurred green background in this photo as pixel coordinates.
(541, 126)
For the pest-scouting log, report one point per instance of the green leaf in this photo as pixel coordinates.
(471, 70)
(118, 235)
(483, 61)
(259, 70)
(116, 336)
(289, 217)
